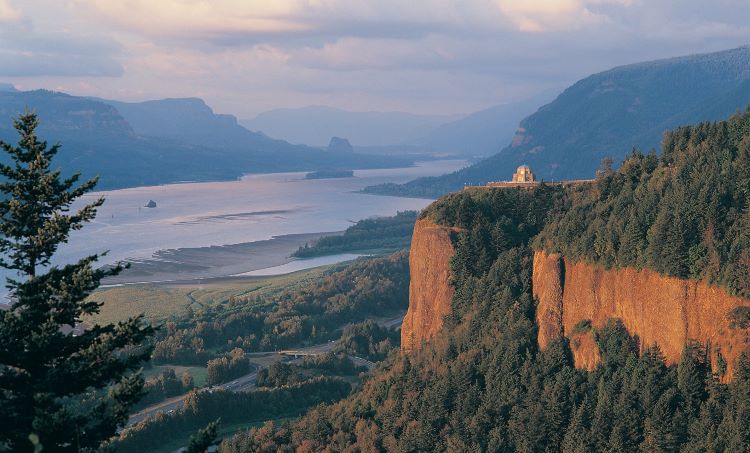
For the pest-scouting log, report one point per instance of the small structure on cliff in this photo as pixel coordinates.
(523, 174)
(525, 178)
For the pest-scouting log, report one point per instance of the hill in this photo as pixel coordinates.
(162, 141)
(474, 373)
(478, 134)
(607, 115)
(190, 120)
(315, 125)
(482, 133)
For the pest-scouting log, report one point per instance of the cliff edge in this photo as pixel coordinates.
(430, 291)
(575, 298)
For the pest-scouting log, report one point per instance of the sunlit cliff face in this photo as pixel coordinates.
(430, 292)
(659, 310)
(666, 311)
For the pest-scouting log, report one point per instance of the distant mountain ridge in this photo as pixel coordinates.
(315, 125)
(164, 141)
(485, 132)
(189, 120)
(607, 115)
(480, 133)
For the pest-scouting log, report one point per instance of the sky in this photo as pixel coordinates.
(421, 56)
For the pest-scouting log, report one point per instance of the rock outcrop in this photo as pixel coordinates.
(340, 145)
(575, 297)
(430, 291)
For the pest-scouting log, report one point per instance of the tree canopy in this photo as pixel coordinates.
(68, 390)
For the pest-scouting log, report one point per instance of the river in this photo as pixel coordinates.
(213, 229)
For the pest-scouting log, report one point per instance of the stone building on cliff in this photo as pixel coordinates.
(523, 174)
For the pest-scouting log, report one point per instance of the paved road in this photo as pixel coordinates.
(247, 381)
(359, 361)
(394, 322)
(310, 350)
(240, 384)
(165, 406)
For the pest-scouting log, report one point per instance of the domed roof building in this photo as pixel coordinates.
(524, 174)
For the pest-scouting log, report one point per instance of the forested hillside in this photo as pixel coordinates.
(607, 115)
(684, 214)
(165, 141)
(304, 315)
(368, 235)
(483, 384)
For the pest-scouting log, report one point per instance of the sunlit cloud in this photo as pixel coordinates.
(7, 12)
(200, 17)
(284, 19)
(555, 15)
(426, 56)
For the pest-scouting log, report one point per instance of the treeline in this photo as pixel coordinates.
(165, 385)
(203, 407)
(684, 214)
(424, 187)
(483, 384)
(304, 315)
(223, 369)
(381, 233)
(369, 340)
(280, 373)
(325, 174)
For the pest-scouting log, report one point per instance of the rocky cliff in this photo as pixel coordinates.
(430, 291)
(576, 297)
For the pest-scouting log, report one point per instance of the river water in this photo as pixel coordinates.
(254, 208)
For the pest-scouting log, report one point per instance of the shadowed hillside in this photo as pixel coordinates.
(607, 115)
(159, 142)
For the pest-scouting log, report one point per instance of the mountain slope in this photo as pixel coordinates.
(167, 141)
(608, 114)
(485, 132)
(191, 120)
(315, 125)
(480, 380)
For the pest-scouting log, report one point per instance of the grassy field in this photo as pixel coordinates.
(199, 373)
(160, 302)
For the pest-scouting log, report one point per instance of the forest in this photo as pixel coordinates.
(203, 407)
(309, 314)
(483, 384)
(380, 233)
(685, 213)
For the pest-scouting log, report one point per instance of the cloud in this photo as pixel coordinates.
(234, 22)
(200, 17)
(229, 21)
(8, 13)
(556, 15)
(440, 56)
(25, 52)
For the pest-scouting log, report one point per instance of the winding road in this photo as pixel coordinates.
(247, 381)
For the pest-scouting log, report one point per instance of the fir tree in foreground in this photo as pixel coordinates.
(70, 391)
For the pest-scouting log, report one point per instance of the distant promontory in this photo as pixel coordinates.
(340, 145)
(329, 174)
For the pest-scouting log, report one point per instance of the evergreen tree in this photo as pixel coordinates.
(577, 437)
(204, 438)
(693, 373)
(187, 380)
(69, 391)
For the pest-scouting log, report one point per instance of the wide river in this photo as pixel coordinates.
(255, 208)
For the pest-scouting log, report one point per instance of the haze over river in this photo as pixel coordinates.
(190, 217)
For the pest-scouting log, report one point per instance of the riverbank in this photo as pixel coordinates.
(195, 263)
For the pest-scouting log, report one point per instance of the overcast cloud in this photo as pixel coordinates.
(422, 56)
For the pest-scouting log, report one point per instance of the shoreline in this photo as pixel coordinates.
(182, 265)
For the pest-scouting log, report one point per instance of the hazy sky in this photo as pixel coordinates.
(422, 56)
